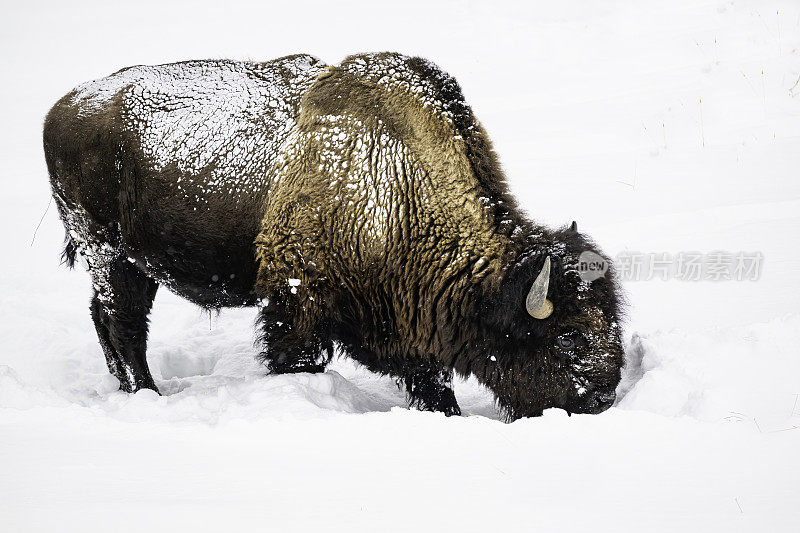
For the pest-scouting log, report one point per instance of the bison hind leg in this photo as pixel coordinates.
(122, 296)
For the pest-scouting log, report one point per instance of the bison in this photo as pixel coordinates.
(359, 206)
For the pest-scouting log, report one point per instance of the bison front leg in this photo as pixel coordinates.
(427, 383)
(122, 300)
(429, 386)
(289, 347)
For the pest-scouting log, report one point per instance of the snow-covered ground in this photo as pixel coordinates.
(661, 127)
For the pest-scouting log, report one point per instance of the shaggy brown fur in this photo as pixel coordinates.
(392, 213)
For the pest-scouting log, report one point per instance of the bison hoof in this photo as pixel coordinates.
(126, 386)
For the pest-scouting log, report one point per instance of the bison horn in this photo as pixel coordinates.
(537, 304)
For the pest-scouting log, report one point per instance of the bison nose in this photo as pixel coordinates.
(606, 398)
(594, 402)
(599, 401)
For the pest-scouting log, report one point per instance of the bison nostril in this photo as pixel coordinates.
(606, 397)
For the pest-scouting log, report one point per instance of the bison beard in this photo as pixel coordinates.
(360, 205)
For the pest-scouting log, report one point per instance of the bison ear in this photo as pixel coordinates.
(574, 227)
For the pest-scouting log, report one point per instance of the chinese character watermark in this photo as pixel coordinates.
(688, 266)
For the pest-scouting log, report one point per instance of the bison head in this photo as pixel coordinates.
(550, 334)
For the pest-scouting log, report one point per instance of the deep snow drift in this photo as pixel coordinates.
(661, 128)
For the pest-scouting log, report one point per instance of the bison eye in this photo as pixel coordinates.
(565, 343)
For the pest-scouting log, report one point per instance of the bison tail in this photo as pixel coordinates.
(68, 255)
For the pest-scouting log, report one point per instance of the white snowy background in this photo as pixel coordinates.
(658, 126)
